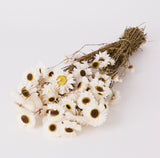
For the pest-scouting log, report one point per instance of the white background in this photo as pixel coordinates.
(32, 31)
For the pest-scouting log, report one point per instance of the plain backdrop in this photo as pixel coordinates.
(36, 31)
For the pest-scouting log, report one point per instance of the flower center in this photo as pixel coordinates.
(100, 89)
(94, 113)
(101, 79)
(101, 59)
(82, 73)
(51, 74)
(86, 100)
(25, 92)
(52, 127)
(95, 65)
(54, 112)
(61, 80)
(51, 99)
(68, 106)
(88, 88)
(69, 130)
(79, 85)
(25, 119)
(30, 77)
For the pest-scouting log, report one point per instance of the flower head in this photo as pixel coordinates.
(31, 77)
(95, 115)
(26, 119)
(52, 128)
(81, 70)
(69, 128)
(55, 112)
(85, 99)
(50, 94)
(69, 104)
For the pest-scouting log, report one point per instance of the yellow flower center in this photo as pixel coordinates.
(61, 80)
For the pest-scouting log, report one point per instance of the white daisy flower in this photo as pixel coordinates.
(99, 89)
(18, 98)
(50, 74)
(110, 60)
(103, 103)
(102, 60)
(25, 90)
(33, 103)
(31, 77)
(42, 69)
(99, 64)
(69, 104)
(26, 119)
(102, 77)
(101, 56)
(55, 112)
(50, 94)
(95, 115)
(73, 96)
(43, 112)
(70, 128)
(76, 118)
(85, 99)
(83, 84)
(64, 81)
(52, 128)
(81, 70)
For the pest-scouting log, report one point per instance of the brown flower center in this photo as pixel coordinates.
(30, 77)
(52, 127)
(95, 65)
(82, 73)
(100, 89)
(25, 119)
(105, 106)
(86, 100)
(101, 79)
(88, 88)
(69, 130)
(51, 99)
(79, 85)
(25, 92)
(51, 74)
(101, 59)
(94, 113)
(54, 112)
(68, 106)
